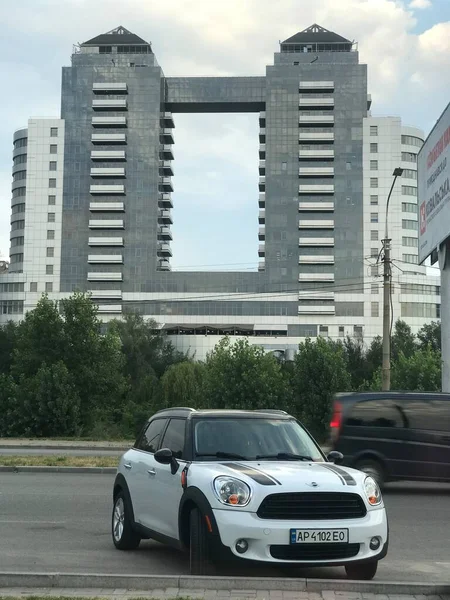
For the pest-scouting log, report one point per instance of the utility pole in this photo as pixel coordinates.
(386, 366)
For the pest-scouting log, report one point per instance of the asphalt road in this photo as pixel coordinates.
(61, 523)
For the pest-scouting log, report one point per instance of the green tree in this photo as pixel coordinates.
(360, 369)
(183, 384)
(7, 344)
(403, 340)
(320, 372)
(374, 354)
(243, 376)
(430, 335)
(8, 405)
(420, 372)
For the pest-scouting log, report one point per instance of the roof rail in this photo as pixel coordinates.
(187, 408)
(271, 410)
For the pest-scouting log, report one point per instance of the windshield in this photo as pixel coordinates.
(253, 439)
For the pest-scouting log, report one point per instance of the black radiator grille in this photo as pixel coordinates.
(317, 552)
(312, 506)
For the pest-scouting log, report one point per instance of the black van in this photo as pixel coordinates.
(394, 435)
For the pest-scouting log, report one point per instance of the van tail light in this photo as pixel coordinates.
(336, 421)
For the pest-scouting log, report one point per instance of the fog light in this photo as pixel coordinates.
(241, 546)
(375, 543)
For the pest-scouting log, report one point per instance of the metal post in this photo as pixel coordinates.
(444, 264)
(386, 368)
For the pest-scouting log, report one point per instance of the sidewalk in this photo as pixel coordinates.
(46, 444)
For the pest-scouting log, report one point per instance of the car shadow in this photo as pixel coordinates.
(416, 488)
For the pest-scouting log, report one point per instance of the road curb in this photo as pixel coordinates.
(186, 582)
(73, 470)
(63, 447)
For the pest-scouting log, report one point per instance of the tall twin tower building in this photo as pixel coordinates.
(92, 198)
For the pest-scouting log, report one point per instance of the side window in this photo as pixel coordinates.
(149, 440)
(174, 437)
(431, 415)
(376, 413)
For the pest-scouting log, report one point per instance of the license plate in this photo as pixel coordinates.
(319, 536)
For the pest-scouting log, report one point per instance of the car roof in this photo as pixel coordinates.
(192, 413)
(356, 396)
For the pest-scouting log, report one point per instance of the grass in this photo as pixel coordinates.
(58, 461)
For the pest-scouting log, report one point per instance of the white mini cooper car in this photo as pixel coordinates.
(252, 485)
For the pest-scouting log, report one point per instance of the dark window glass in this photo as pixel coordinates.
(431, 415)
(150, 439)
(376, 413)
(174, 437)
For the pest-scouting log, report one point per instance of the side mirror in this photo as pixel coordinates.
(335, 457)
(165, 457)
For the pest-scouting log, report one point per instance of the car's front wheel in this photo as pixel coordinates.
(198, 544)
(362, 572)
(123, 534)
(372, 468)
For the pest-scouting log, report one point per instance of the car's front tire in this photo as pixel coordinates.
(198, 544)
(373, 468)
(362, 572)
(123, 534)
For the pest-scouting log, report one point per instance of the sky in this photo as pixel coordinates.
(406, 44)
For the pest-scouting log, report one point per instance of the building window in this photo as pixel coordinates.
(411, 140)
(373, 200)
(419, 288)
(358, 331)
(409, 207)
(409, 190)
(409, 157)
(373, 130)
(53, 132)
(420, 309)
(374, 165)
(51, 217)
(373, 148)
(50, 234)
(52, 183)
(33, 286)
(348, 166)
(52, 200)
(349, 309)
(411, 242)
(48, 286)
(409, 173)
(409, 224)
(374, 253)
(374, 235)
(374, 271)
(49, 269)
(50, 252)
(17, 241)
(374, 182)
(323, 330)
(410, 258)
(53, 149)
(374, 309)
(52, 165)
(374, 288)
(341, 331)
(374, 217)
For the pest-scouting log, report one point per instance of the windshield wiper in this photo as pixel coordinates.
(285, 456)
(224, 455)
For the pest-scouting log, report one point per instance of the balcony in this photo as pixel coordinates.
(262, 233)
(110, 104)
(262, 151)
(165, 168)
(164, 250)
(261, 266)
(109, 121)
(165, 216)
(316, 85)
(314, 309)
(262, 216)
(165, 184)
(166, 136)
(108, 172)
(105, 155)
(164, 265)
(320, 188)
(313, 277)
(106, 294)
(262, 135)
(262, 118)
(320, 242)
(316, 224)
(105, 259)
(261, 250)
(262, 167)
(319, 119)
(319, 136)
(318, 102)
(112, 188)
(106, 207)
(109, 138)
(262, 200)
(164, 233)
(165, 201)
(105, 241)
(316, 206)
(262, 184)
(106, 224)
(98, 276)
(316, 259)
(167, 120)
(112, 309)
(315, 154)
(110, 88)
(166, 152)
(312, 296)
(316, 171)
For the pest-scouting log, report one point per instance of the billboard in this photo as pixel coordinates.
(433, 165)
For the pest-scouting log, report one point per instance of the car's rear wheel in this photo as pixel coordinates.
(373, 468)
(123, 534)
(362, 572)
(198, 544)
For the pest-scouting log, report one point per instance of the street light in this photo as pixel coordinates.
(386, 368)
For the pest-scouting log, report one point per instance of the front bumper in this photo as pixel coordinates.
(263, 533)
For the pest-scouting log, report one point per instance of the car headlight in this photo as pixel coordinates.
(373, 492)
(231, 491)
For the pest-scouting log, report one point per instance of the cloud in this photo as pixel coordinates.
(420, 4)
